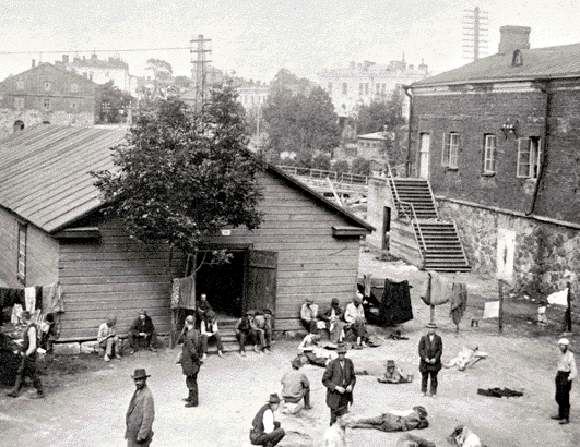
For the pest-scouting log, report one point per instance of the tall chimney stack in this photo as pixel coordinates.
(513, 38)
(33, 63)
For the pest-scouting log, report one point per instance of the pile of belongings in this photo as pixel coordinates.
(498, 392)
(463, 436)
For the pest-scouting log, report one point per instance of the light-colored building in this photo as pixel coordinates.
(349, 88)
(100, 71)
(253, 95)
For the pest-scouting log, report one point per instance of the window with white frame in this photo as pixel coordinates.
(489, 154)
(21, 255)
(450, 150)
(361, 89)
(529, 157)
(344, 88)
(366, 89)
(330, 88)
(47, 86)
(19, 102)
(46, 104)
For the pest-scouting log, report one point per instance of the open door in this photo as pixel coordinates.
(260, 281)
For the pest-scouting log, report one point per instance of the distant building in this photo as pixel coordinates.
(349, 88)
(100, 71)
(251, 95)
(46, 94)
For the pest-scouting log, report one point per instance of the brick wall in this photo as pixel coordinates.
(31, 117)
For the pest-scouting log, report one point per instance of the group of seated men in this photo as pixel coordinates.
(255, 327)
(338, 323)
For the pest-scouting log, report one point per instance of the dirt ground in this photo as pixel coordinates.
(88, 408)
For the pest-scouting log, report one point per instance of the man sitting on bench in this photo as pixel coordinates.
(142, 331)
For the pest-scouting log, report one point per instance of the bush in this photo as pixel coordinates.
(321, 162)
(361, 166)
(340, 167)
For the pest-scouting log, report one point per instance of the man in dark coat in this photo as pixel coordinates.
(339, 378)
(142, 329)
(191, 353)
(430, 349)
(141, 413)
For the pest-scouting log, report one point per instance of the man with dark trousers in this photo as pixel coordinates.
(430, 349)
(266, 430)
(191, 353)
(339, 379)
(566, 372)
(142, 329)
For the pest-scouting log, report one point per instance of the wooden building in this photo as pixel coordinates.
(50, 223)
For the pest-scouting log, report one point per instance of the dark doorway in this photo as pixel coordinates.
(386, 227)
(17, 126)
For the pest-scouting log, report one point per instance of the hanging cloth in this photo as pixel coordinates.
(52, 299)
(30, 299)
(395, 307)
(458, 301)
(187, 293)
(175, 293)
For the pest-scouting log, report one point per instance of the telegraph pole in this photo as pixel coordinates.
(200, 68)
(475, 34)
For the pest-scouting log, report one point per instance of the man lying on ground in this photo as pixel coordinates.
(314, 353)
(466, 357)
(395, 420)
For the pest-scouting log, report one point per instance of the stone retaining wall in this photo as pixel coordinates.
(31, 117)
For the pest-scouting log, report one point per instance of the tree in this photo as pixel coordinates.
(340, 167)
(361, 166)
(162, 74)
(181, 177)
(381, 111)
(114, 103)
(321, 162)
(285, 80)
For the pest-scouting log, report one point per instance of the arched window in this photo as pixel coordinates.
(46, 122)
(17, 126)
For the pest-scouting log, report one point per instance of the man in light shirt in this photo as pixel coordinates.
(266, 430)
(209, 329)
(567, 371)
(354, 317)
(309, 316)
(108, 339)
(295, 385)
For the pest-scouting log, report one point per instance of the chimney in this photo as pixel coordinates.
(423, 66)
(65, 58)
(513, 38)
(411, 66)
(33, 63)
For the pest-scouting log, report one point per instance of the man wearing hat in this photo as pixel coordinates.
(339, 379)
(295, 385)
(142, 330)
(28, 364)
(334, 317)
(394, 374)
(430, 349)
(209, 330)
(354, 317)
(309, 316)
(245, 329)
(191, 353)
(266, 430)
(141, 413)
(567, 371)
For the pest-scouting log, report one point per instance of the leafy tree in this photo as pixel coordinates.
(114, 103)
(285, 80)
(181, 177)
(340, 167)
(361, 166)
(381, 111)
(162, 74)
(321, 162)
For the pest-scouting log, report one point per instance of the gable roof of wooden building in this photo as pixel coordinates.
(45, 175)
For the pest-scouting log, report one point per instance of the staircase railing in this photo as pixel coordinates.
(422, 246)
(433, 199)
(460, 242)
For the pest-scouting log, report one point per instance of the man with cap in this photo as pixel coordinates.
(354, 317)
(339, 379)
(191, 353)
(295, 385)
(567, 371)
(108, 339)
(266, 430)
(245, 329)
(142, 330)
(430, 349)
(209, 330)
(333, 318)
(141, 412)
(28, 364)
(309, 316)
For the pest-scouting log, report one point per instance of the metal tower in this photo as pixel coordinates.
(475, 34)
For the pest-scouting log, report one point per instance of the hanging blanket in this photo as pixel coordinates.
(458, 301)
(395, 307)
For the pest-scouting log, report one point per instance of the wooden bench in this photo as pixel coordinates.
(81, 340)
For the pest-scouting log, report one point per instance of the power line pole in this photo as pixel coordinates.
(200, 69)
(475, 34)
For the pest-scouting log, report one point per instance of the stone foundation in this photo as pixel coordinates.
(31, 117)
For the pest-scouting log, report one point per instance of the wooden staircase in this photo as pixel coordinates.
(438, 241)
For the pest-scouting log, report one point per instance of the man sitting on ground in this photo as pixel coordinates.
(309, 316)
(354, 317)
(295, 386)
(395, 420)
(333, 318)
(108, 339)
(142, 331)
(314, 353)
(394, 374)
(209, 330)
(266, 430)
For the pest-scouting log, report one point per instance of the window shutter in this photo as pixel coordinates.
(524, 162)
(443, 152)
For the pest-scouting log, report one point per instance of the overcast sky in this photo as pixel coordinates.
(258, 37)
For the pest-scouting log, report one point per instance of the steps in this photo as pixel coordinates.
(442, 250)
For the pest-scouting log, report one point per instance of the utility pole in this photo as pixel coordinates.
(475, 34)
(200, 69)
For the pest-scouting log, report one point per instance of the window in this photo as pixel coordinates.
(529, 157)
(74, 88)
(366, 89)
(18, 102)
(450, 150)
(46, 86)
(74, 106)
(344, 88)
(383, 89)
(46, 104)
(361, 89)
(330, 88)
(20, 83)
(489, 154)
(21, 258)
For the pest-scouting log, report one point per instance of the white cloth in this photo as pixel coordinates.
(268, 421)
(30, 298)
(309, 313)
(468, 439)
(352, 312)
(16, 312)
(334, 436)
(491, 309)
(560, 298)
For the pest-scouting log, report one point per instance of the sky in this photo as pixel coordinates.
(257, 38)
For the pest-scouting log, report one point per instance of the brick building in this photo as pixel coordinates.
(46, 94)
(499, 141)
(99, 71)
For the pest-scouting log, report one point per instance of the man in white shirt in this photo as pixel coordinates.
(266, 430)
(567, 371)
(209, 329)
(108, 339)
(354, 317)
(309, 316)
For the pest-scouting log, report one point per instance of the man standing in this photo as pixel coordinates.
(209, 329)
(141, 413)
(430, 349)
(265, 430)
(108, 339)
(191, 353)
(295, 385)
(354, 317)
(567, 371)
(309, 316)
(28, 363)
(142, 329)
(339, 378)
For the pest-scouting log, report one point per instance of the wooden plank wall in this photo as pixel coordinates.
(114, 276)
